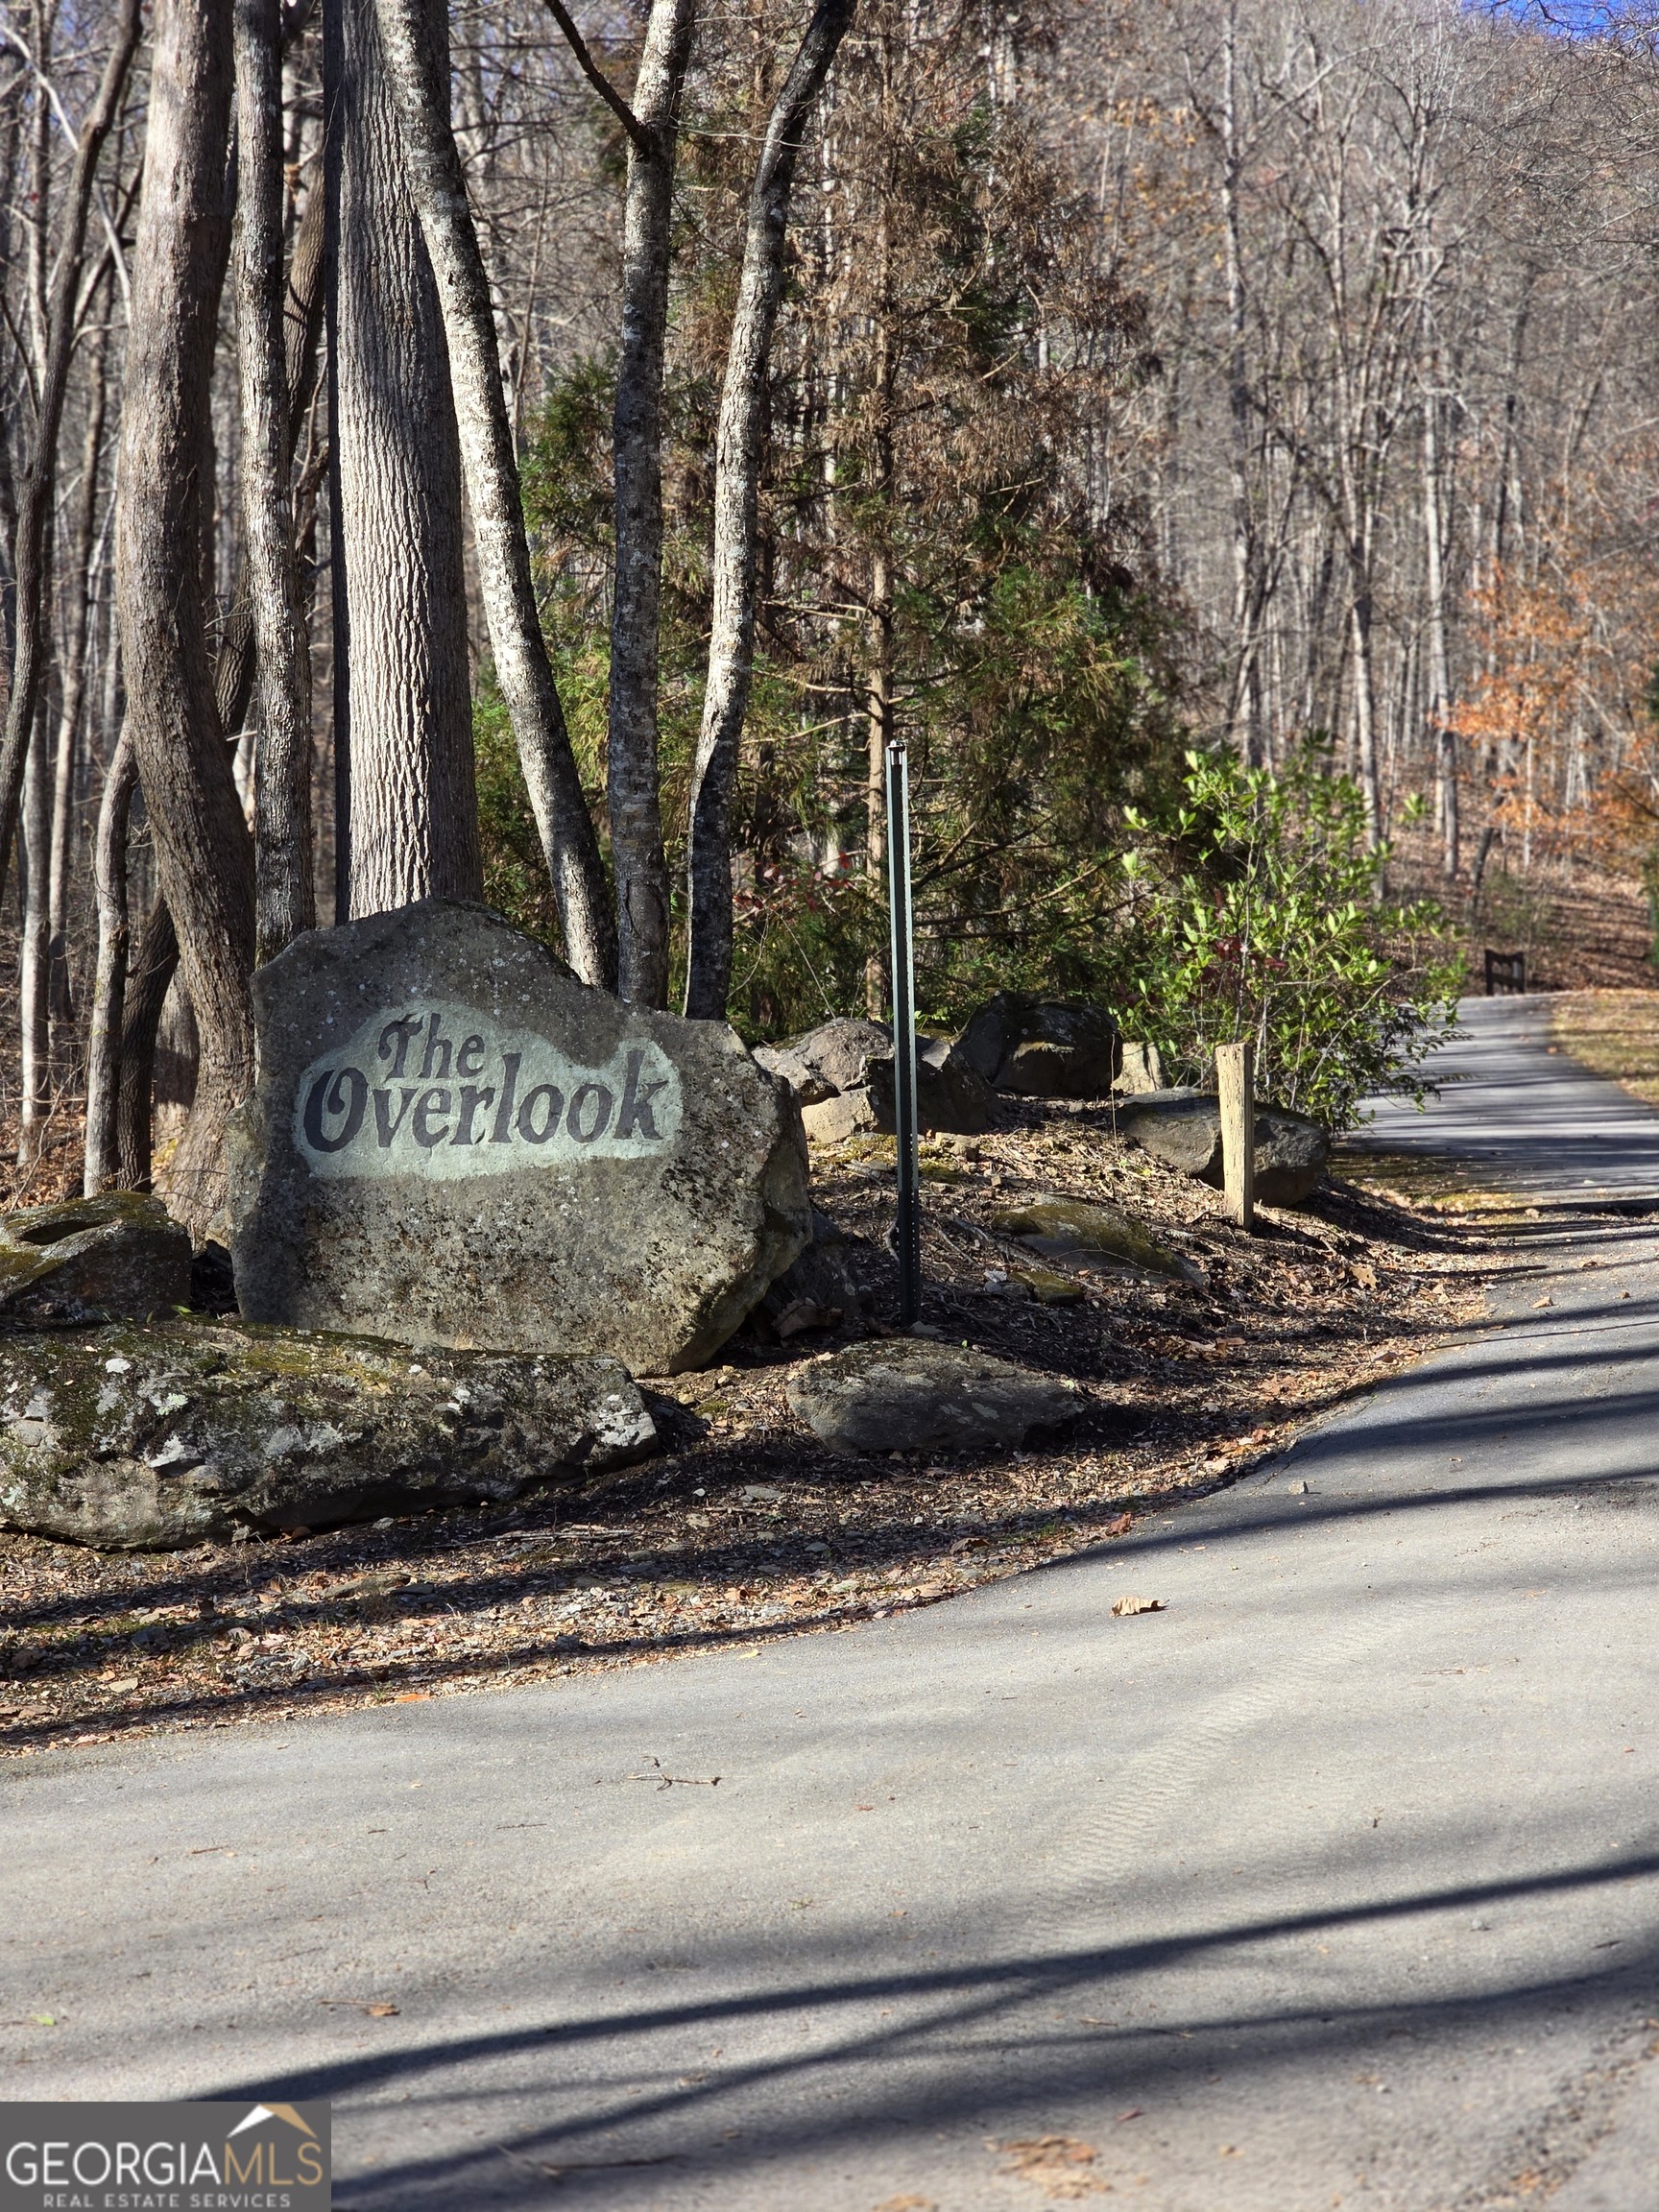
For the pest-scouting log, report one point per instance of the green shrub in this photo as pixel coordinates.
(1257, 916)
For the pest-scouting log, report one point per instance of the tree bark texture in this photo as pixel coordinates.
(302, 328)
(403, 710)
(286, 904)
(149, 979)
(1441, 735)
(35, 1103)
(39, 481)
(203, 851)
(636, 855)
(417, 64)
(69, 749)
(738, 442)
(102, 1166)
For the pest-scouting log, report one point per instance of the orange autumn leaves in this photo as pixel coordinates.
(1556, 717)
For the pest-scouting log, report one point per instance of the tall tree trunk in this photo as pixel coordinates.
(39, 481)
(636, 855)
(1365, 714)
(34, 874)
(149, 979)
(302, 328)
(417, 61)
(402, 697)
(1442, 737)
(102, 1167)
(68, 750)
(737, 450)
(201, 846)
(145, 994)
(285, 902)
(1244, 705)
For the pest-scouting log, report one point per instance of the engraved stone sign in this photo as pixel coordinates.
(454, 1142)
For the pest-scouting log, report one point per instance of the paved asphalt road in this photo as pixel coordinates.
(1335, 1884)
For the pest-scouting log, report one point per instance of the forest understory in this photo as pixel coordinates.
(744, 1529)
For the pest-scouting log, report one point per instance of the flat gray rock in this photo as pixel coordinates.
(453, 1141)
(120, 1257)
(1183, 1128)
(905, 1394)
(188, 1431)
(1086, 1235)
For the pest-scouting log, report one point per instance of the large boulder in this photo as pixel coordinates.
(841, 1075)
(111, 1259)
(905, 1394)
(186, 1433)
(1183, 1128)
(1042, 1047)
(1086, 1235)
(453, 1141)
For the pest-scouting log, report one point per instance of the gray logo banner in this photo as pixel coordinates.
(211, 2157)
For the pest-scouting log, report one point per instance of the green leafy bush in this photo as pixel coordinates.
(1257, 916)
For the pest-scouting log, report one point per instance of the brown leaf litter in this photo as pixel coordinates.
(745, 1528)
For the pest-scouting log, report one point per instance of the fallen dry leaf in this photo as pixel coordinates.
(1052, 2162)
(907, 2205)
(1127, 1605)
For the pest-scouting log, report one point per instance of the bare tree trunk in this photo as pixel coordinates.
(1442, 735)
(403, 699)
(417, 64)
(302, 327)
(1244, 706)
(1366, 714)
(67, 751)
(36, 873)
(149, 979)
(285, 902)
(145, 993)
(35, 503)
(636, 855)
(202, 845)
(110, 981)
(737, 453)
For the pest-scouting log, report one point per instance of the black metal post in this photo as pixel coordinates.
(908, 1229)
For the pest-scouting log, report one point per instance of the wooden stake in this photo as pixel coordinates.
(1236, 1085)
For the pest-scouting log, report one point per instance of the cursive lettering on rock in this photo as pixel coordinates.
(443, 1092)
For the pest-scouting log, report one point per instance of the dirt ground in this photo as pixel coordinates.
(1614, 1032)
(1580, 927)
(744, 1528)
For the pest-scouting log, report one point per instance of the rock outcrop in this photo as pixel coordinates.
(186, 1433)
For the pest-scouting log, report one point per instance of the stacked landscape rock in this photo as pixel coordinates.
(1042, 1047)
(841, 1075)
